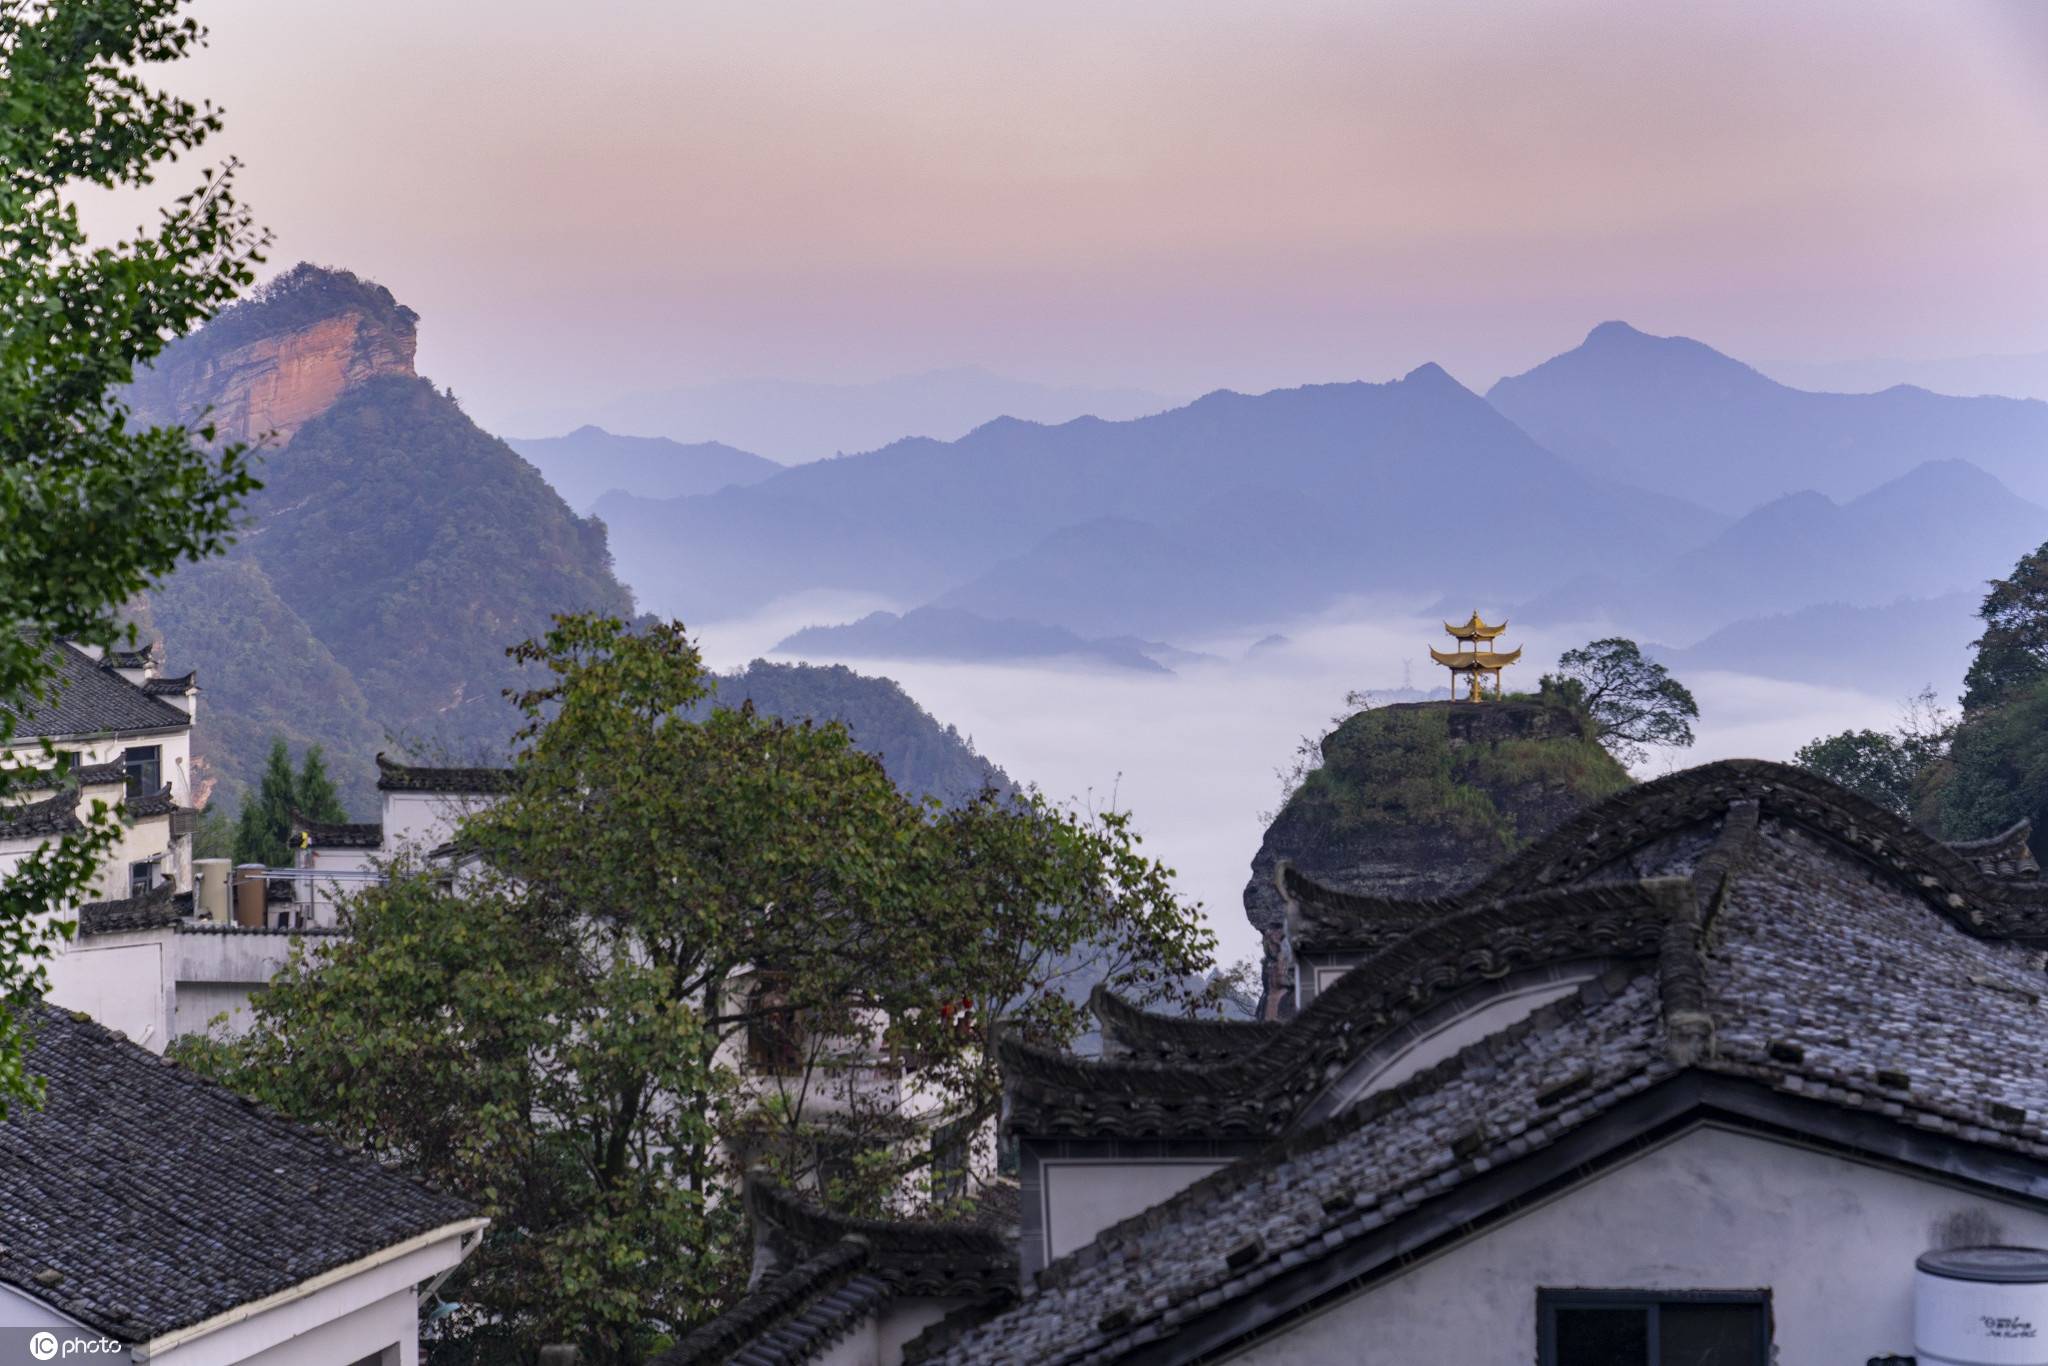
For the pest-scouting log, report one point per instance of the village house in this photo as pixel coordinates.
(145, 1207)
(1732, 1067)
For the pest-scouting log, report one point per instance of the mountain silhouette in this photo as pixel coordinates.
(1230, 508)
(1943, 527)
(1676, 416)
(590, 462)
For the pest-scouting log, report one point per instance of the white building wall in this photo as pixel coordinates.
(1084, 1196)
(420, 821)
(22, 1311)
(124, 981)
(1715, 1209)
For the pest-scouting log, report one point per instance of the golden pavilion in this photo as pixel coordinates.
(1474, 660)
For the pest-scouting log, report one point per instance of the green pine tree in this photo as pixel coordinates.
(264, 833)
(314, 792)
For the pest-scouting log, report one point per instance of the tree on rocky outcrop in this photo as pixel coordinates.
(675, 891)
(93, 507)
(2012, 654)
(1633, 702)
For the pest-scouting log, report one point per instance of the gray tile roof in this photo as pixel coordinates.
(827, 1272)
(1129, 1031)
(1826, 955)
(140, 1198)
(155, 909)
(393, 776)
(56, 814)
(338, 834)
(91, 699)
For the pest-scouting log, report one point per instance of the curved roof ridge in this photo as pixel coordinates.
(393, 776)
(1144, 1031)
(1261, 1089)
(776, 1300)
(809, 1225)
(1948, 879)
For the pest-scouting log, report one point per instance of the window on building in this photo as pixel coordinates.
(145, 765)
(141, 876)
(775, 1037)
(1653, 1327)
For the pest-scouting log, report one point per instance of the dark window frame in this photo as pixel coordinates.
(1548, 1302)
(141, 876)
(144, 765)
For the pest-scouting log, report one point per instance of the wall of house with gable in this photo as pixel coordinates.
(1714, 1209)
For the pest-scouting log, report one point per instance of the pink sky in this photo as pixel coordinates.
(587, 200)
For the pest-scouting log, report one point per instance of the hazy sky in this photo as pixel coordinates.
(591, 199)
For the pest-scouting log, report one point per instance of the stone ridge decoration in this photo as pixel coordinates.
(393, 776)
(1262, 1091)
(308, 834)
(1132, 1032)
(1949, 878)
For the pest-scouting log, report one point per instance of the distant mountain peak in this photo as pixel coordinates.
(1429, 373)
(1615, 330)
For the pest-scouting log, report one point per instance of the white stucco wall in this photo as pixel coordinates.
(1449, 1034)
(1084, 1196)
(877, 1340)
(121, 981)
(22, 1311)
(1715, 1209)
(419, 821)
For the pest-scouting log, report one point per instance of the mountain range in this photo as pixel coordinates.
(394, 552)
(947, 633)
(1942, 527)
(794, 421)
(1673, 415)
(590, 462)
(1221, 512)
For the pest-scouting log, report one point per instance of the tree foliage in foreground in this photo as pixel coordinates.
(2012, 654)
(1634, 702)
(93, 507)
(1890, 768)
(702, 925)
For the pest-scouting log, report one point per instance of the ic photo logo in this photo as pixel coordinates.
(61, 1345)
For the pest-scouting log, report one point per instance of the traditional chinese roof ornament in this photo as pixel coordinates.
(1471, 662)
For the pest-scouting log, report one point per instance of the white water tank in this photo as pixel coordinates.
(1981, 1306)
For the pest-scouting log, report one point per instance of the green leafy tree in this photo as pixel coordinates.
(1891, 768)
(1633, 702)
(92, 506)
(700, 927)
(1997, 769)
(2012, 654)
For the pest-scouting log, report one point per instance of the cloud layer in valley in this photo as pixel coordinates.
(1194, 755)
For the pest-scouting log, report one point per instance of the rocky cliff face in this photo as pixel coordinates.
(268, 366)
(1423, 799)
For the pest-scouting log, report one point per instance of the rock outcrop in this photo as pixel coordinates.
(1423, 799)
(267, 366)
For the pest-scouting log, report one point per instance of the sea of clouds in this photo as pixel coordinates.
(1196, 755)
